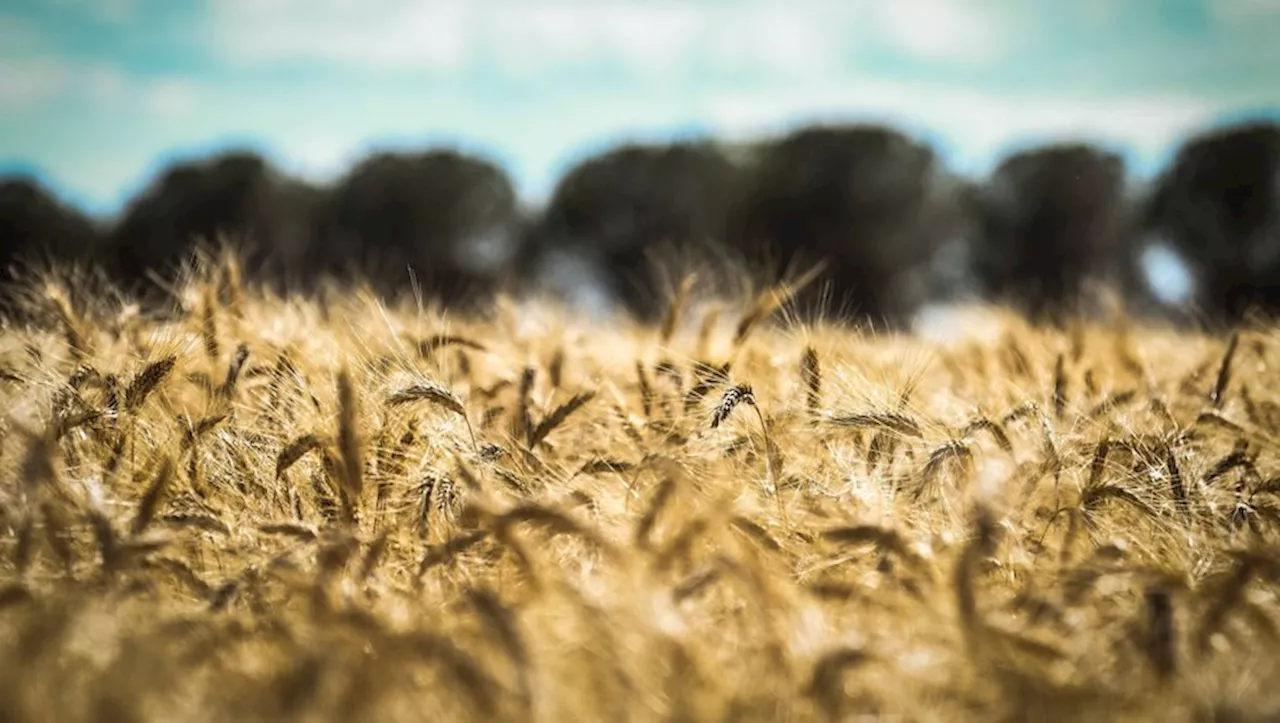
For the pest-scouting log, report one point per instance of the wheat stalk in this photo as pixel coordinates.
(352, 470)
(811, 376)
(146, 382)
(428, 391)
(773, 298)
(1224, 372)
(743, 394)
(558, 417)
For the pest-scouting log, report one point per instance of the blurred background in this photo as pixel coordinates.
(927, 152)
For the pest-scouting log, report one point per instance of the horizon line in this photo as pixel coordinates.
(535, 194)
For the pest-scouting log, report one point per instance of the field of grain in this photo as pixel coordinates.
(266, 509)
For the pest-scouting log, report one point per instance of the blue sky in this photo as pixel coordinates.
(96, 95)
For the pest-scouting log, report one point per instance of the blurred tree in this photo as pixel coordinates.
(40, 235)
(627, 211)
(37, 228)
(871, 202)
(451, 218)
(1217, 206)
(234, 197)
(1050, 219)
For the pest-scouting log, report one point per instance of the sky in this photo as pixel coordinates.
(97, 95)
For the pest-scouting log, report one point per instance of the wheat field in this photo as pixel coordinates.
(273, 509)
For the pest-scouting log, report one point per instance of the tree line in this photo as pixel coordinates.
(892, 228)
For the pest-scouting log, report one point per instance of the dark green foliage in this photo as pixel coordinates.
(1217, 205)
(625, 211)
(871, 202)
(235, 197)
(450, 217)
(1050, 220)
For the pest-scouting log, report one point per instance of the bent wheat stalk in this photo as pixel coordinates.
(743, 394)
(427, 391)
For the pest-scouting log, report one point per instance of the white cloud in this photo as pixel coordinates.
(28, 82)
(522, 38)
(31, 84)
(316, 157)
(104, 83)
(649, 39)
(381, 34)
(945, 30)
(802, 41)
(527, 39)
(171, 97)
